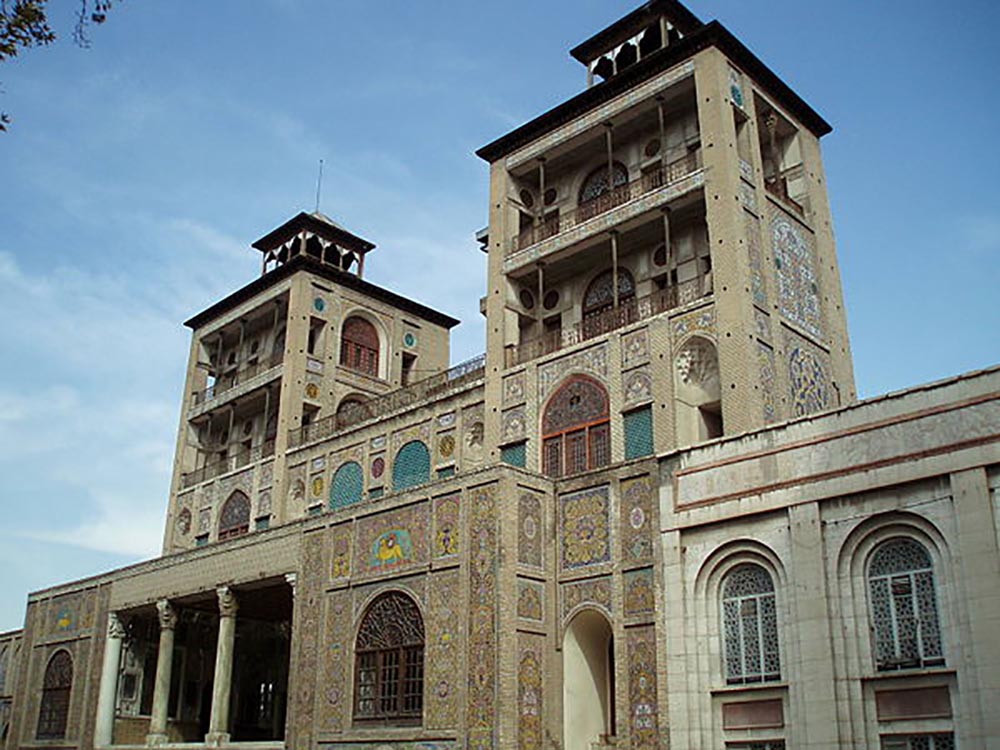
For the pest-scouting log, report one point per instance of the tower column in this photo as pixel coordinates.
(164, 665)
(218, 725)
(104, 728)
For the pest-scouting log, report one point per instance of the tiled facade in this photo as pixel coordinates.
(653, 516)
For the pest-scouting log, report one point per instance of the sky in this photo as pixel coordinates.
(137, 173)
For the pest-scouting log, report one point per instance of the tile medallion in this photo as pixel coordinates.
(637, 521)
(635, 348)
(638, 387)
(446, 446)
(513, 389)
(530, 528)
(513, 423)
(584, 521)
(447, 420)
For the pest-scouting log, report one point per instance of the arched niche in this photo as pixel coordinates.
(588, 681)
(698, 391)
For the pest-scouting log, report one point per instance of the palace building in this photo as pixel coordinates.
(653, 514)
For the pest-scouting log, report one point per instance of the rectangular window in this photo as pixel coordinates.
(264, 522)
(201, 541)
(376, 492)
(514, 455)
(447, 471)
(552, 457)
(576, 452)
(944, 741)
(600, 445)
(639, 433)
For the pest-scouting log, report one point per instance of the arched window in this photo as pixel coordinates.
(596, 183)
(347, 485)
(54, 708)
(412, 466)
(576, 433)
(749, 626)
(234, 519)
(389, 654)
(904, 611)
(599, 301)
(351, 411)
(359, 346)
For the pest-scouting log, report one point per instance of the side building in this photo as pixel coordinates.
(653, 513)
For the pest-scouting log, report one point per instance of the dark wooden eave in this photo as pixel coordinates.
(335, 275)
(712, 34)
(325, 229)
(682, 18)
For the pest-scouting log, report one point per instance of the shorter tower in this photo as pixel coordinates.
(307, 344)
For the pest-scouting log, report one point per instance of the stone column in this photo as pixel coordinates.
(218, 725)
(164, 665)
(105, 724)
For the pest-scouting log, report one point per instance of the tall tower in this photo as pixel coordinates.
(307, 342)
(663, 240)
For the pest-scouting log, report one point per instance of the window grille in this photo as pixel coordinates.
(359, 346)
(54, 708)
(905, 626)
(750, 626)
(599, 301)
(347, 485)
(514, 455)
(234, 519)
(576, 428)
(639, 433)
(757, 745)
(389, 677)
(412, 466)
(596, 183)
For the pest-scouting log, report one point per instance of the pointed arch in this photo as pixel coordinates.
(359, 346)
(389, 661)
(347, 485)
(576, 434)
(412, 466)
(595, 184)
(234, 518)
(599, 300)
(750, 625)
(53, 710)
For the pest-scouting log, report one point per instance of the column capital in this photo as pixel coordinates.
(292, 580)
(227, 601)
(116, 628)
(167, 614)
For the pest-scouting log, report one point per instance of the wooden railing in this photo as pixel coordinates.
(357, 412)
(777, 185)
(231, 380)
(230, 463)
(661, 176)
(631, 311)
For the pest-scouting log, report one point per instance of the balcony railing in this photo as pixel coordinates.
(631, 311)
(659, 177)
(357, 412)
(230, 463)
(777, 185)
(230, 380)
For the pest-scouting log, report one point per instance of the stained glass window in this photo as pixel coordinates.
(412, 466)
(575, 428)
(347, 485)
(54, 708)
(359, 346)
(234, 519)
(389, 674)
(903, 606)
(750, 626)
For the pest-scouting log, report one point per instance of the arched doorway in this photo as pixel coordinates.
(588, 681)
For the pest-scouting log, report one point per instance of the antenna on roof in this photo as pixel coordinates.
(319, 184)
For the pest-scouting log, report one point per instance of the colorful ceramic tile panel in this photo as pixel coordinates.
(481, 697)
(444, 650)
(392, 542)
(809, 382)
(530, 600)
(635, 348)
(529, 694)
(643, 712)
(447, 527)
(529, 535)
(585, 537)
(340, 546)
(637, 522)
(595, 591)
(593, 360)
(755, 258)
(337, 650)
(640, 598)
(765, 360)
(798, 284)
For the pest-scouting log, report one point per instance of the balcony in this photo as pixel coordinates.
(230, 463)
(777, 185)
(629, 312)
(229, 381)
(421, 391)
(660, 177)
